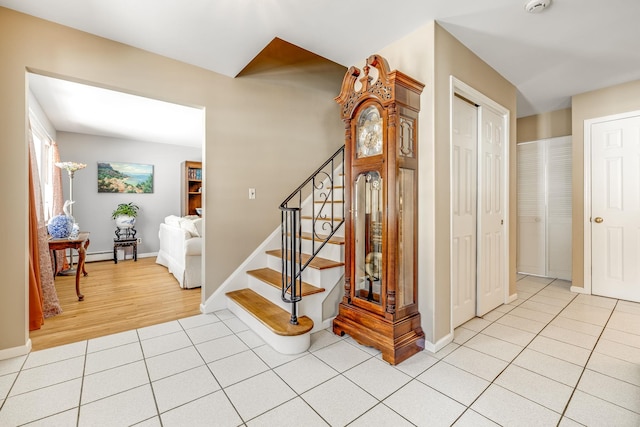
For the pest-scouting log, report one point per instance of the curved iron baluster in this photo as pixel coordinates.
(320, 184)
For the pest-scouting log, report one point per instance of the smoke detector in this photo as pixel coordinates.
(536, 6)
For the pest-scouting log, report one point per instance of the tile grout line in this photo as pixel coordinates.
(492, 382)
(584, 368)
(146, 368)
(205, 364)
(468, 407)
(84, 369)
(13, 383)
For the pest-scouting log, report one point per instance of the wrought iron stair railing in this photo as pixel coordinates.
(320, 186)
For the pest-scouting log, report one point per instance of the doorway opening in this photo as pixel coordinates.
(92, 125)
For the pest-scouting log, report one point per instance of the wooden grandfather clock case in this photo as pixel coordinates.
(380, 305)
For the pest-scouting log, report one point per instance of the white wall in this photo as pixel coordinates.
(92, 210)
(41, 117)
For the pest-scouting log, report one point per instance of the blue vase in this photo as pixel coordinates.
(60, 226)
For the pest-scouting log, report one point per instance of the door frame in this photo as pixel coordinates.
(587, 285)
(461, 88)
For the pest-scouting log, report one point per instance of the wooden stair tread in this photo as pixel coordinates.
(335, 219)
(336, 240)
(272, 316)
(318, 262)
(274, 278)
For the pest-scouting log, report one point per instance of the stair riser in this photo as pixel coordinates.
(274, 295)
(329, 251)
(320, 278)
(285, 345)
(337, 176)
(338, 209)
(310, 305)
(323, 227)
(338, 194)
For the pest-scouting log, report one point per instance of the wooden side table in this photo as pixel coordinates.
(123, 243)
(80, 243)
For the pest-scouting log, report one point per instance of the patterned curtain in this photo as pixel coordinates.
(40, 258)
(36, 296)
(58, 200)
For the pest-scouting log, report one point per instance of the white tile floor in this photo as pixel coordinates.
(550, 358)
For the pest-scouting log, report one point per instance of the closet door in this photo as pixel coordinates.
(531, 228)
(559, 195)
(544, 208)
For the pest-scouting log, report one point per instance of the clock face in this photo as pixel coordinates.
(369, 133)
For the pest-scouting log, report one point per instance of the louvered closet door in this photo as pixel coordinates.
(559, 210)
(531, 209)
(544, 208)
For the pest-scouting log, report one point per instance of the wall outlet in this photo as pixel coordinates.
(139, 240)
(252, 193)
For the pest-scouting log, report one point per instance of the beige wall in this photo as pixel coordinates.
(413, 55)
(432, 55)
(262, 132)
(604, 102)
(543, 126)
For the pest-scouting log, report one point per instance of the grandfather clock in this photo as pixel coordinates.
(380, 305)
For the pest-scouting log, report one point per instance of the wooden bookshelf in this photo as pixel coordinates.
(191, 187)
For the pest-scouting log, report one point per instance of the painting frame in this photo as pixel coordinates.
(125, 177)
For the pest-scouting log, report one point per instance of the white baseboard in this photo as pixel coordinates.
(439, 345)
(108, 256)
(578, 290)
(9, 353)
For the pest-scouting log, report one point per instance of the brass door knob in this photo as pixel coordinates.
(598, 220)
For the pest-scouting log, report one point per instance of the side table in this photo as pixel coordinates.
(123, 243)
(80, 243)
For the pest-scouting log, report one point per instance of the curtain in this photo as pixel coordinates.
(43, 299)
(58, 200)
(36, 297)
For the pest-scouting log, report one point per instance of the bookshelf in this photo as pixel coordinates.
(191, 187)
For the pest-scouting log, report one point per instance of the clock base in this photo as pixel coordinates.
(397, 340)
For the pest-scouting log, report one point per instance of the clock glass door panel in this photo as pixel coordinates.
(368, 237)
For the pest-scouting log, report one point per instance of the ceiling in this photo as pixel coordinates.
(79, 108)
(573, 46)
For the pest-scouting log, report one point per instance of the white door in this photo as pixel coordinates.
(492, 212)
(463, 206)
(544, 208)
(531, 225)
(559, 208)
(615, 208)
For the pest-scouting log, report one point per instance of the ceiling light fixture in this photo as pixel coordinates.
(536, 6)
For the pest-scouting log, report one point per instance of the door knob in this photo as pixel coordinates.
(598, 220)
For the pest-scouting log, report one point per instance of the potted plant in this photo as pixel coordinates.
(125, 215)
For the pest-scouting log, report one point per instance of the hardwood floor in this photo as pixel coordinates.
(117, 298)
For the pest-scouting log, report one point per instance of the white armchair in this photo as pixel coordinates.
(181, 249)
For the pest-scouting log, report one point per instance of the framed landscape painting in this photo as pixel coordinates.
(118, 177)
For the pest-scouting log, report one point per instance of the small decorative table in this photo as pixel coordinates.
(80, 243)
(123, 243)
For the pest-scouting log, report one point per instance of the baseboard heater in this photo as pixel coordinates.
(108, 256)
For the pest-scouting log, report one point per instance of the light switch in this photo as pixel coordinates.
(252, 193)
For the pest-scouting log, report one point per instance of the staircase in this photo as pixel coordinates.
(297, 288)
